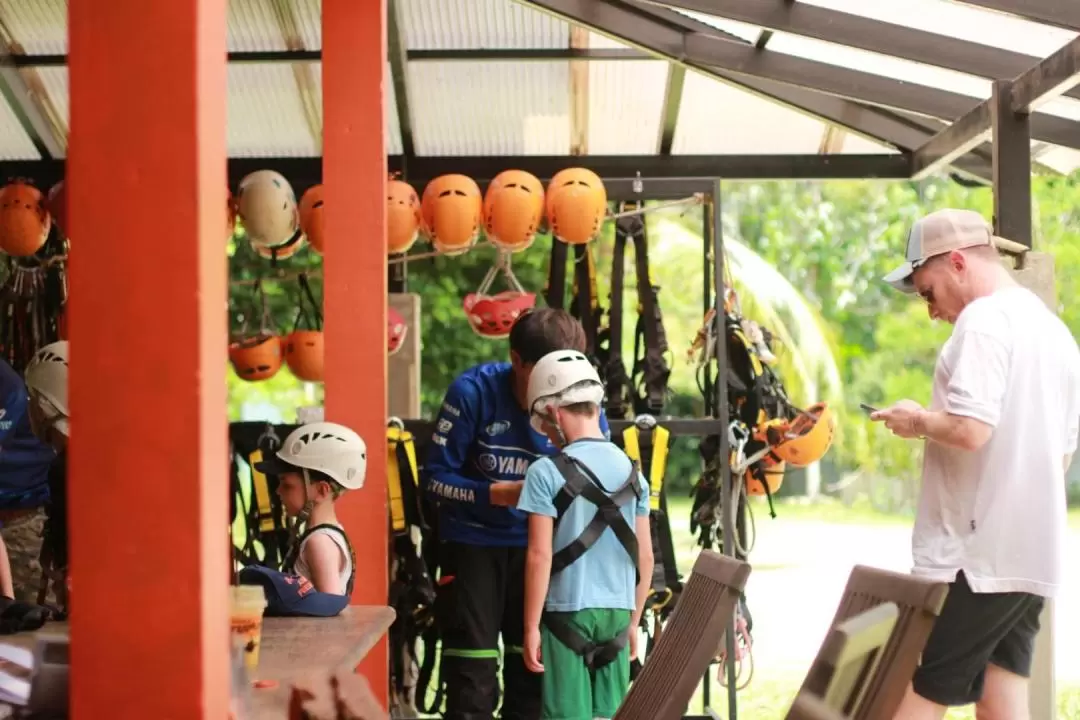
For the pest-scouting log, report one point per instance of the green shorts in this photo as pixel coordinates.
(571, 691)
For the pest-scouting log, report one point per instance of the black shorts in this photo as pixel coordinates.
(975, 629)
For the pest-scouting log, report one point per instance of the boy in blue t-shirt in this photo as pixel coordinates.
(590, 556)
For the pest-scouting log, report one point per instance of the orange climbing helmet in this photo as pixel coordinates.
(311, 216)
(402, 216)
(396, 330)
(576, 205)
(267, 207)
(492, 316)
(451, 209)
(24, 219)
(513, 209)
(768, 469)
(804, 440)
(304, 354)
(256, 358)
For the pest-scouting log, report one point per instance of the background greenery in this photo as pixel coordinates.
(806, 259)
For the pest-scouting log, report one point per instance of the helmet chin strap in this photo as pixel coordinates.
(305, 512)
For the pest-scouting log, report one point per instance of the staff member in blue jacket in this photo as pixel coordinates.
(24, 491)
(481, 448)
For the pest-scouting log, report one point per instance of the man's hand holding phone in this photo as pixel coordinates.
(900, 417)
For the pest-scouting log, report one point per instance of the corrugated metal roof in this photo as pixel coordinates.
(490, 108)
(38, 26)
(510, 108)
(15, 144)
(464, 24)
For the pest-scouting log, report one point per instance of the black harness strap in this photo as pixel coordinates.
(619, 390)
(294, 552)
(581, 482)
(651, 370)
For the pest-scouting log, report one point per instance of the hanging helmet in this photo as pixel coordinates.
(256, 358)
(57, 206)
(396, 330)
(451, 211)
(46, 377)
(402, 216)
(267, 207)
(324, 447)
(561, 378)
(513, 209)
(576, 205)
(304, 354)
(311, 216)
(804, 440)
(24, 219)
(767, 469)
(492, 316)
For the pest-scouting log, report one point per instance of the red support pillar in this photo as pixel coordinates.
(354, 277)
(148, 485)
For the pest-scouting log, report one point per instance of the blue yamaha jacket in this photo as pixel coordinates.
(482, 435)
(24, 460)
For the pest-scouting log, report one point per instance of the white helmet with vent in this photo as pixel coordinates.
(267, 207)
(561, 378)
(325, 447)
(46, 378)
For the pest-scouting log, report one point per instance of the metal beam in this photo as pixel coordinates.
(855, 84)
(1060, 13)
(857, 31)
(957, 139)
(1040, 83)
(1012, 166)
(686, 173)
(395, 49)
(673, 92)
(1050, 78)
(456, 55)
(27, 105)
(662, 32)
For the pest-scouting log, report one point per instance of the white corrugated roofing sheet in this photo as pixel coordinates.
(481, 107)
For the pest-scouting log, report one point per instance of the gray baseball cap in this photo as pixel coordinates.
(936, 234)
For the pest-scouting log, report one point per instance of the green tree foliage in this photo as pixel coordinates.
(806, 260)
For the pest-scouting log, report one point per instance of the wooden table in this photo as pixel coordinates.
(292, 647)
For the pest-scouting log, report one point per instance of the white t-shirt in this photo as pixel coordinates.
(345, 566)
(998, 513)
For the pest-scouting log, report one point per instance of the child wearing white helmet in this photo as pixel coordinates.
(590, 557)
(315, 465)
(46, 378)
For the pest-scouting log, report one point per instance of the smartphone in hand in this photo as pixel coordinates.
(868, 409)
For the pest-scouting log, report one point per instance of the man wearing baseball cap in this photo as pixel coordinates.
(998, 437)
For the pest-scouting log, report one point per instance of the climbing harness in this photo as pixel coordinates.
(646, 443)
(412, 591)
(580, 481)
(644, 389)
(264, 517)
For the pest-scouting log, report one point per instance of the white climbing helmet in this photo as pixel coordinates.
(46, 378)
(329, 448)
(267, 207)
(561, 378)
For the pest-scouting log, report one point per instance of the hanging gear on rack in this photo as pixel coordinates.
(304, 349)
(646, 442)
(257, 356)
(264, 516)
(645, 388)
(492, 316)
(412, 590)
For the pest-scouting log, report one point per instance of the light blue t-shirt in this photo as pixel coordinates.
(604, 576)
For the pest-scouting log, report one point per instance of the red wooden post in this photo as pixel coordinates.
(354, 272)
(148, 486)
